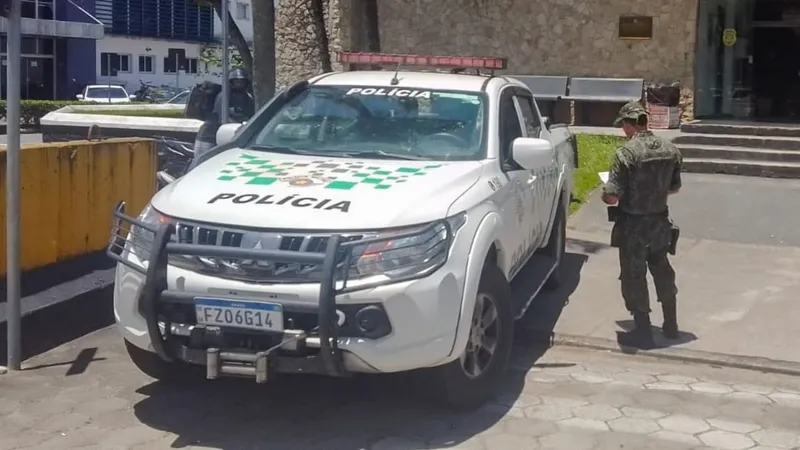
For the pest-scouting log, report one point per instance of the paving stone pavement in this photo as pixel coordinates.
(86, 394)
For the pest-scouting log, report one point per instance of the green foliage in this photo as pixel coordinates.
(213, 57)
(33, 110)
(594, 155)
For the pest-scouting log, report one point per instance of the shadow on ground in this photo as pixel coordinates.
(626, 346)
(537, 327)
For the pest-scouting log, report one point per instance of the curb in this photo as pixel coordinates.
(61, 302)
(754, 363)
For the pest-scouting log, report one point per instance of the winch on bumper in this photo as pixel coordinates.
(309, 347)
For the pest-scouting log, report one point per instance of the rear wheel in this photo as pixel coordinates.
(472, 379)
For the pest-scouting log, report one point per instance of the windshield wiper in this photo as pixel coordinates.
(380, 154)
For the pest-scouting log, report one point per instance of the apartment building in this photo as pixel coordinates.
(160, 41)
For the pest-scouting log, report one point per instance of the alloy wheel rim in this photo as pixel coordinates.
(483, 337)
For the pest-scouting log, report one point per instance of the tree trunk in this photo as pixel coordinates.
(321, 32)
(263, 51)
(372, 26)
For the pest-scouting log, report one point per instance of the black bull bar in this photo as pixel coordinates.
(328, 361)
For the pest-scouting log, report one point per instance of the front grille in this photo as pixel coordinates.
(251, 270)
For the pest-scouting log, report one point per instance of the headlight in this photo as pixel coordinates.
(141, 239)
(409, 252)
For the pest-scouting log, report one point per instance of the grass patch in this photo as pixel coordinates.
(594, 155)
(161, 113)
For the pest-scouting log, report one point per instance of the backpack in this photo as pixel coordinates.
(200, 104)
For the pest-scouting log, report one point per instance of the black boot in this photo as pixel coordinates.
(642, 335)
(670, 326)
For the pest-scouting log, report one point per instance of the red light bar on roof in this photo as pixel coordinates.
(467, 62)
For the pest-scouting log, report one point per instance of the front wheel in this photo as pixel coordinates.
(472, 379)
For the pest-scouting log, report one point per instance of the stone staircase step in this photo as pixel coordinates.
(733, 140)
(748, 129)
(738, 153)
(766, 169)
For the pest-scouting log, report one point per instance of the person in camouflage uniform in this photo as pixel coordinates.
(643, 173)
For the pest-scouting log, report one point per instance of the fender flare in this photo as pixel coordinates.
(482, 241)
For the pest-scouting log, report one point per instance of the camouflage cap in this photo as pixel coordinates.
(631, 110)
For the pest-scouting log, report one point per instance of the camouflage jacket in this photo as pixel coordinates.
(643, 172)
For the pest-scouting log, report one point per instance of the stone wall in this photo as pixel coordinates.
(550, 37)
(296, 52)
(544, 37)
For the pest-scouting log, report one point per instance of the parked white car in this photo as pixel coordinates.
(364, 221)
(181, 98)
(105, 94)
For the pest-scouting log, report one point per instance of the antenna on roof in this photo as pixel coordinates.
(395, 81)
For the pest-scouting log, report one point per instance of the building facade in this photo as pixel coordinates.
(732, 58)
(160, 42)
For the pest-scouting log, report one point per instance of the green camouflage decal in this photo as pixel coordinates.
(250, 169)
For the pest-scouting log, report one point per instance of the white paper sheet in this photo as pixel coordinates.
(603, 176)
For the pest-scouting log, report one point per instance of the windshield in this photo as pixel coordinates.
(401, 122)
(102, 92)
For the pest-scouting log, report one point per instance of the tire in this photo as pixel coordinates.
(153, 366)
(454, 387)
(557, 246)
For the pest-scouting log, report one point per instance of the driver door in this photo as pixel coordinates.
(515, 201)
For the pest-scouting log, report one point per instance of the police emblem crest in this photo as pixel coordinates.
(304, 181)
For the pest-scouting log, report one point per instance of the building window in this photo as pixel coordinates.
(191, 65)
(145, 64)
(170, 65)
(112, 63)
(242, 11)
(38, 9)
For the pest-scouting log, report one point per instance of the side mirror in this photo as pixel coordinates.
(132, 97)
(164, 178)
(546, 121)
(531, 153)
(227, 132)
(79, 96)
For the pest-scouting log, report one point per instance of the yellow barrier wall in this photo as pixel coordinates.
(68, 193)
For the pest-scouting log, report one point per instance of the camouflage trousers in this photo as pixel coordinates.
(643, 244)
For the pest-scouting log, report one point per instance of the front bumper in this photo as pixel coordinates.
(154, 310)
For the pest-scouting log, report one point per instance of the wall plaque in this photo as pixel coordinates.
(636, 27)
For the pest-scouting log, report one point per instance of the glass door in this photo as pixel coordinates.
(723, 73)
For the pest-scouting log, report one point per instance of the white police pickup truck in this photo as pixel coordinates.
(362, 221)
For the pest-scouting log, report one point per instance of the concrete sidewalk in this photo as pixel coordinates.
(738, 268)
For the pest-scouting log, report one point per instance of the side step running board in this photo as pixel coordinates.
(529, 281)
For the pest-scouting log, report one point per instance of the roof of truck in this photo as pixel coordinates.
(408, 79)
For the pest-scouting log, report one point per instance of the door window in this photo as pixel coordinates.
(510, 127)
(530, 118)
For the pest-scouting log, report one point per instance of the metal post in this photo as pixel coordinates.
(177, 72)
(225, 62)
(108, 88)
(13, 294)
